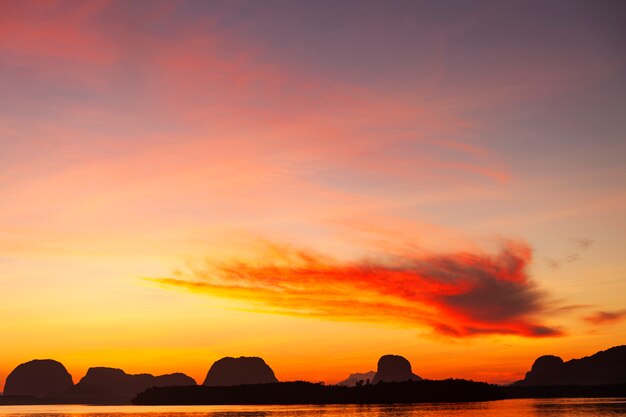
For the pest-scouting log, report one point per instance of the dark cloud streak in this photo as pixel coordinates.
(605, 317)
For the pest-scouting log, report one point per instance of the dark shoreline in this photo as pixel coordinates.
(299, 392)
(425, 391)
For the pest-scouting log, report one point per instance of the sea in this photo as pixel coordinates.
(574, 407)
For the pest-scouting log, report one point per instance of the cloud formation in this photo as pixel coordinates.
(605, 317)
(581, 245)
(457, 295)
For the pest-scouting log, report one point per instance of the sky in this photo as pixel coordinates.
(316, 183)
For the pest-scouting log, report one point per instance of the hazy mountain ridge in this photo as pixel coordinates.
(354, 378)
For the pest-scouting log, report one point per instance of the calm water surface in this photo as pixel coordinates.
(588, 407)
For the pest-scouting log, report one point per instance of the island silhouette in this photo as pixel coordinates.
(39, 378)
(239, 371)
(605, 367)
(391, 368)
(394, 368)
(250, 380)
(116, 385)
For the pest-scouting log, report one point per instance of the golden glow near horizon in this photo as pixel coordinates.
(183, 181)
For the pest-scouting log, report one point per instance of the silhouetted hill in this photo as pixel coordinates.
(112, 383)
(238, 371)
(355, 378)
(452, 390)
(602, 368)
(38, 378)
(394, 368)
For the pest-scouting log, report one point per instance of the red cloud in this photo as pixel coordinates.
(458, 295)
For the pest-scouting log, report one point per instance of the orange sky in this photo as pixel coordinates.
(316, 184)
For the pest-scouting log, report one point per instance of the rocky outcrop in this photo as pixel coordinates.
(394, 368)
(112, 383)
(545, 371)
(606, 367)
(239, 371)
(39, 378)
(354, 379)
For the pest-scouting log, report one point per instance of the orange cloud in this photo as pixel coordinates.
(459, 295)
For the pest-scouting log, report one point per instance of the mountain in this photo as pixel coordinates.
(38, 378)
(239, 371)
(112, 383)
(602, 368)
(394, 368)
(353, 379)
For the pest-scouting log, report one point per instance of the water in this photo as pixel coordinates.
(587, 407)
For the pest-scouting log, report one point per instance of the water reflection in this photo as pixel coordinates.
(518, 408)
(579, 407)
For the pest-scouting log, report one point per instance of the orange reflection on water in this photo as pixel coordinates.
(589, 407)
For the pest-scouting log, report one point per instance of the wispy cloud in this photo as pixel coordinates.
(584, 243)
(458, 294)
(606, 317)
(581, 245)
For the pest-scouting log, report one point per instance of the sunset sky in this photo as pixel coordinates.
(317, 183)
